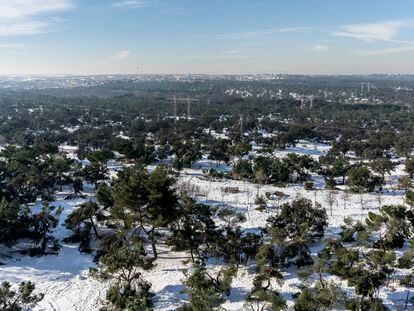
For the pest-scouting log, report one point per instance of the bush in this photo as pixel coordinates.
(309, 186)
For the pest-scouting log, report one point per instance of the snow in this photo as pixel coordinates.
(67, 285)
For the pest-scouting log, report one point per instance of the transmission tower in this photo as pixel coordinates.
(241, 126)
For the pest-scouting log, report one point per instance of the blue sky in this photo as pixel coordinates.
(206, 36)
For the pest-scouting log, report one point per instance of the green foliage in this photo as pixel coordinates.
(243, 170)
(409, 167)
(262, 297)
(122, 265)
(204, 291)
(148, 201)
(360, 179)
(309, 186)
(95, 172)
(323, 296)
(219, 151)
(193, 227)
(20, 300)
(298, 224)
(9, 222)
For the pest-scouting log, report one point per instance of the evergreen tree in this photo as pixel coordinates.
(162, 207)
(20, 300)
(262, 297)
(95, 172)
(193, 228)
(85, 212)
(360, 179)
(123, 266)
(298, 224)
(204, 291)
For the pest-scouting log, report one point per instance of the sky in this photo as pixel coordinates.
(206, 36)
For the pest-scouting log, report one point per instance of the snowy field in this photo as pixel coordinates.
(67, 286)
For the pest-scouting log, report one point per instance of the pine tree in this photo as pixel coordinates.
(95, 172)
(262, 297)
(298, 224)
(84, 213)
(193, 228)
(162, 207)
(20, 300)
(123, 266)
(9, 221)
(204, 291)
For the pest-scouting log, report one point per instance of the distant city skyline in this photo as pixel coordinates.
(90, 37)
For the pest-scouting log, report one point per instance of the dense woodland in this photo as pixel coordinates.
(140, 209)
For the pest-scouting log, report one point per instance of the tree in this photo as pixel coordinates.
(129, 193)
(43, 224)
(123, 266)
(104, 196)
(320, 297)
(298, 224)
(243, 169)
(162, 207)
(85, 213)
(219, 151)
(77, 185)
(393, 226)
(360, 179)
(409, 198)
(340, 167)
(193, 227)
(95, 172)
(204, 291)
(9, 221)
(23, 299)
(148, 201)
(409, 167)
(262, 297)
(61, 165)
(382, 166)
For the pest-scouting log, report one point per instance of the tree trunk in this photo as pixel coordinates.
(60, 182)
(406, 300)
(94, 227)
(361, 302)
(153, 242)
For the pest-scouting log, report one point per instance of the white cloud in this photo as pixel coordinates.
(15, 9)
(135, 4)
(13, 48)
(122, 55)
(385, 51)
(28, 17)
(318, 48)
(260, 33)
(384, 32)
(369, 32)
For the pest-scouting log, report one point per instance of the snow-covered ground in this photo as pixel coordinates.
(67, 286)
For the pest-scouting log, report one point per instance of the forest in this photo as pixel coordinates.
(166, 195)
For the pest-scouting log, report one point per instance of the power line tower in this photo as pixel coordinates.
(241, 126)
(175, 108)
(187, 100)
(188, 108)
(311, 102)
(302, 102)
